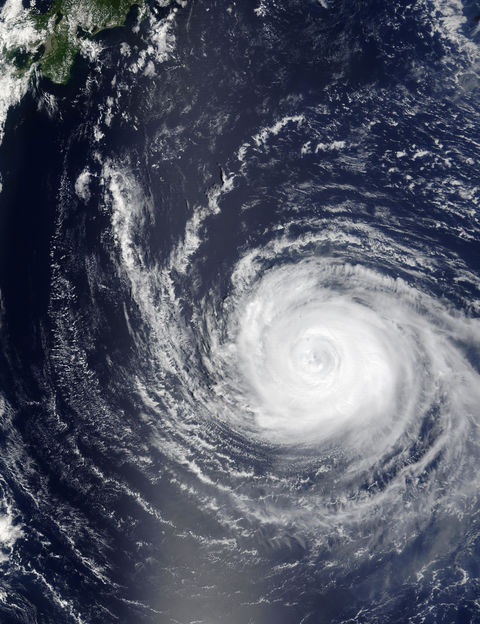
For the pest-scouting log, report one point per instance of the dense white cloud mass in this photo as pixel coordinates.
(320, 357)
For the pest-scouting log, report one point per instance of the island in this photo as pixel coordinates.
(61, 30)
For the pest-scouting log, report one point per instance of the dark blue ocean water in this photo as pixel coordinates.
(134, 501)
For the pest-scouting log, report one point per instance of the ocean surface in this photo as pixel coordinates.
(239, 320)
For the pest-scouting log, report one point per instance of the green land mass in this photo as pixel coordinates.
(61, 30)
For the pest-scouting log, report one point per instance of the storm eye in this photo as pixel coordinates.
(315, 357)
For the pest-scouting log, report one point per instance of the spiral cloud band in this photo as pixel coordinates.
(359, 378)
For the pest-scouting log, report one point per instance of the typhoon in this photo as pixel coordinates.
(240, 312)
